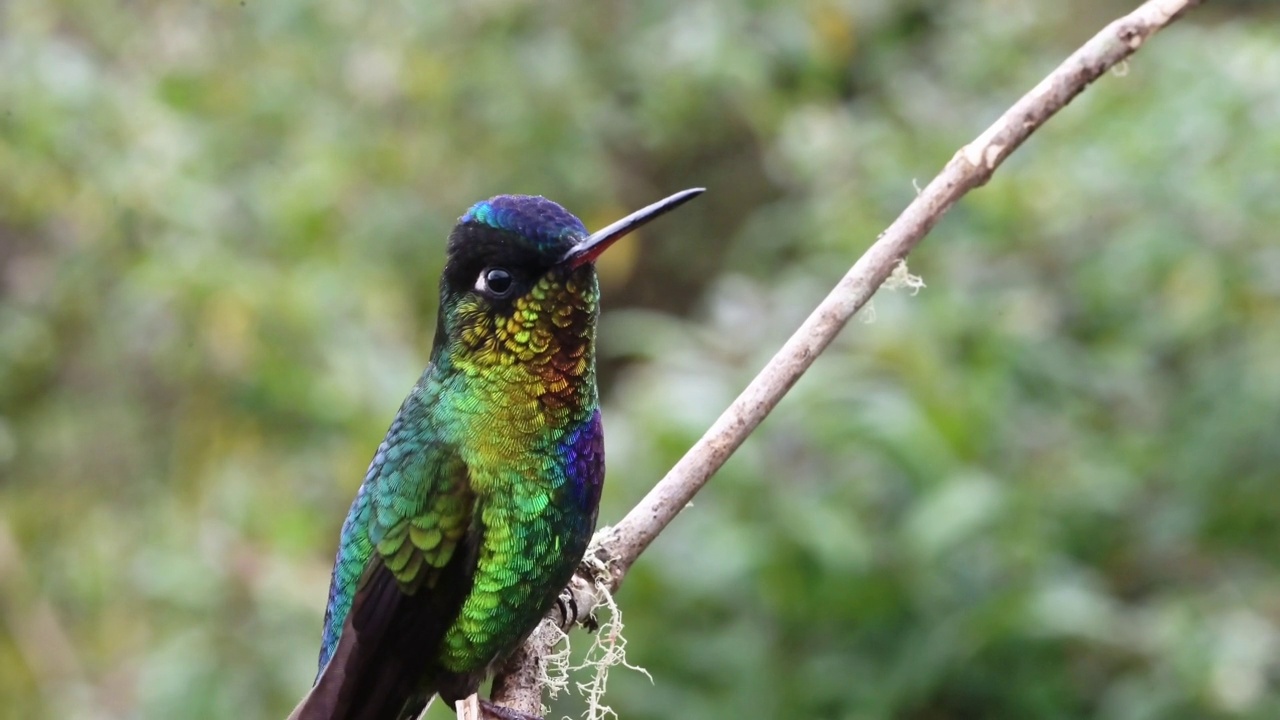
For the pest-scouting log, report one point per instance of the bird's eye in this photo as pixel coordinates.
(495, 281)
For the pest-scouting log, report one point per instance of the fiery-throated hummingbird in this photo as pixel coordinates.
(482, 497)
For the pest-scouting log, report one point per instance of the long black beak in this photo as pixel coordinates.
(596, 243)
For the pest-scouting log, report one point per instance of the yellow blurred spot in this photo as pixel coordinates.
(1193, 292)
(617, 264)
(834, 33)
(228, 332)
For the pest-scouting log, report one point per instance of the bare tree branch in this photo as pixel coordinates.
(618, 547)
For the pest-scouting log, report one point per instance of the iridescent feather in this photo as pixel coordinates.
(481, 499)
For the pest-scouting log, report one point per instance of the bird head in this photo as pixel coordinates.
(519, 285)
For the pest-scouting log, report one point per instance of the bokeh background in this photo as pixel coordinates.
(1046, 486)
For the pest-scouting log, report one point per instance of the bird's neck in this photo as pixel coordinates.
(510, 419)
(534, 365)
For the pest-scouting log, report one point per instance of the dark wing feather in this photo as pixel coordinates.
(413, 531)
(383, 662)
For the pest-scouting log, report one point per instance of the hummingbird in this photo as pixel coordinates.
(480, 501)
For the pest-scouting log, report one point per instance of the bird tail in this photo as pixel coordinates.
(310, 706)
(378, 670)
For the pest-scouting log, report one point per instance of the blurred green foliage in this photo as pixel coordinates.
(1046, 486)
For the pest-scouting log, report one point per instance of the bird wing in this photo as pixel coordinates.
(407, 553)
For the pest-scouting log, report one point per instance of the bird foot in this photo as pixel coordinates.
(569, 612)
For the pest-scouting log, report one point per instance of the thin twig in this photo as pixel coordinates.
(971, 167)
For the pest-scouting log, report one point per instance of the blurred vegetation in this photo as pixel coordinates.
(1044, 487)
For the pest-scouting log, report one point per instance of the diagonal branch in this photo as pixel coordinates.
(618, 547)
